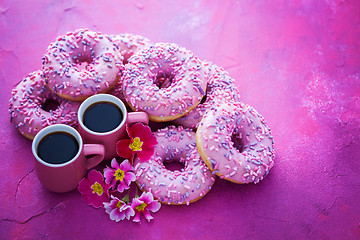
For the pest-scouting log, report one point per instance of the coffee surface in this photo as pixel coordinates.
(102, 117)
(57, 148)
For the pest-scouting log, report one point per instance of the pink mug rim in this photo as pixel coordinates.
(56, 128)
(103, 97)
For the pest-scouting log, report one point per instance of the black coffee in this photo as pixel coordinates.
(57, 148)
(102, 117)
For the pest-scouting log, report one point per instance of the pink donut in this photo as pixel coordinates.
(235, 143)
(80, 64)
(220, 89)
(164, 80)
(175, 187)
(128, 45)
(26, 106)
(118, 92)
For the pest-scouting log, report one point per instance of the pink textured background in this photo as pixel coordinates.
(296, 62)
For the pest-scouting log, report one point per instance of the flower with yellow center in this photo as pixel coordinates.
(136, 144)
(119, 174)
(141, 207)
(98, 189)
(119, 204)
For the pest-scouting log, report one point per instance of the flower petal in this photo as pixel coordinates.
(84, 186)
(145, 154)
(126, 166)
(128, 130)
(114, 164)
(107, 206)
(122, 148)
(140, 130)
(102, 198)
(137, 217)
(108, 174)
(129, 177)
(87, 192)
(106, 188)
(129, 212)
(117, 215)
(122, 186)
(111, 205)
(150, 141)
(136, 202)
(144, 133)
(153, 206)
(146, 197)
(95, 176)
(147, 215)
(87, 199)
(95, 201)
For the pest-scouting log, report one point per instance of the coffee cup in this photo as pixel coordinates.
(61, 158)
(102, 119)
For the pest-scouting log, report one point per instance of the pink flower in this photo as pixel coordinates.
(144, 204)
(118, 210)
(121, 174)
(141, 143)
(93, 189)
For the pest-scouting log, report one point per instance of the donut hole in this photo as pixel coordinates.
(238, 142)
(203, 100)
(50, 105)
(163, 79)
(174, 165)
(209, 90)
(82, 59)
(82, 65)
(126, 57)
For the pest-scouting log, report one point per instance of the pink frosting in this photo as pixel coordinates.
(236, 142)
(82, 63)
(175, 187)
(25, 106)
(220, 89)
(164, 80)
(128, 45)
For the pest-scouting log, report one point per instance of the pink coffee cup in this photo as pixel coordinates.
(108, 139)
(65, 177)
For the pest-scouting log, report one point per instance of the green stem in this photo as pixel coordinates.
(126, 199)
(136, 192)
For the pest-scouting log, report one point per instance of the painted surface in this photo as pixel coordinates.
(296, 62)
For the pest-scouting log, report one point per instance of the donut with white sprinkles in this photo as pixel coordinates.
(82, 63)
(235, 142)
(220, 89)
(164, 80)
(175, 187)
(27, 106)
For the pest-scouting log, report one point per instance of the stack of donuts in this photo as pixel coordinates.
(205, 127)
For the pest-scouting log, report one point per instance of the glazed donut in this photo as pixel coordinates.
(235, 143)
(26, 106)
(128, 45)
(164, 80)
(80, 64)
(220, 89)
(174, 187)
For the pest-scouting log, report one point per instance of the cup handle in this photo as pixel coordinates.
(134, 117)
(94, 149)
